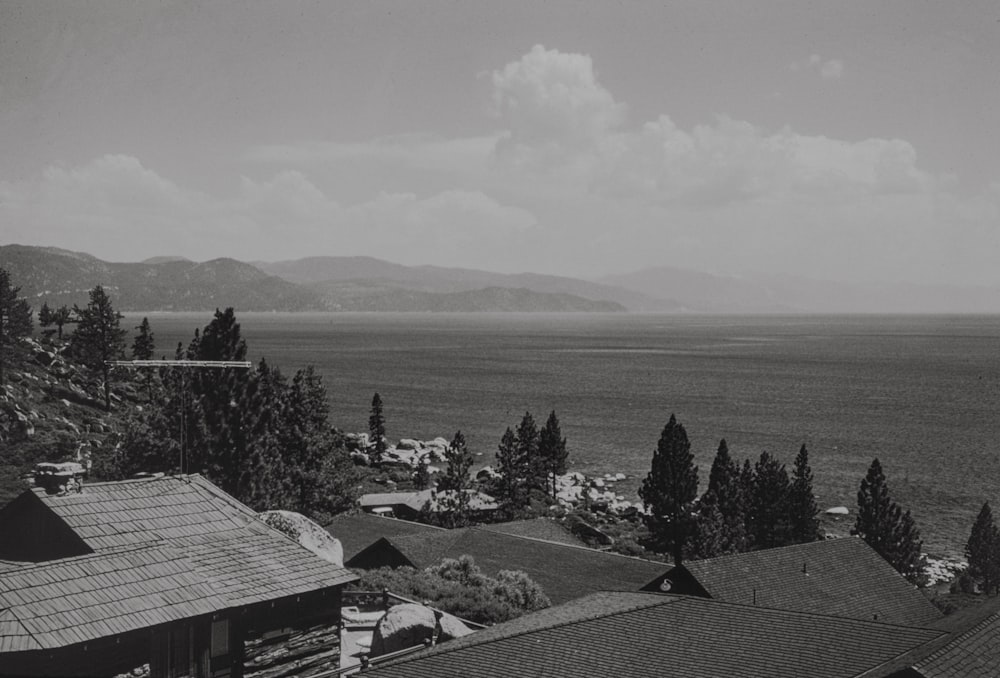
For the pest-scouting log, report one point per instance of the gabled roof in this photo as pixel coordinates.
(536, 528)
(563, 571)
(841, 577)
(355, 531)
(973, 654)
(645, 635)
(163, 549)
(131, 512)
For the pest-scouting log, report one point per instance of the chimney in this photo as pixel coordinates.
(61, 479)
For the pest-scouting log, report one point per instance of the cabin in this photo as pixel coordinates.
(638, 635)
(409, 505)
(101, 578)
(841, 577)
(564, 571)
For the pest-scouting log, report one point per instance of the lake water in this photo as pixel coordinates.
(919, 392)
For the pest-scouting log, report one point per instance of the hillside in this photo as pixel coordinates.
(59, 277)
(50, 410)
(372, 295)
(366, 272)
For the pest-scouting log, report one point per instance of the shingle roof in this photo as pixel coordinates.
(635, 635)
(165, 549)
(564, 572)
(355, 531)
(537, 528)
(840, 577)
(974, 654)
(78, 599)
(416, 500)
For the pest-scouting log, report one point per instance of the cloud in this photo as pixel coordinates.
(829, 69)
(118, 209)
(552, 105)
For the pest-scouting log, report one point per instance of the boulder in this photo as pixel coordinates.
(837, 511)
(307, 533)
(408, 444)
(410, 625)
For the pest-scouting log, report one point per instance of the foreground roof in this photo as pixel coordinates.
(564, 571)
(646, 635)
(973, 653)
(161, 549)
(841, 577)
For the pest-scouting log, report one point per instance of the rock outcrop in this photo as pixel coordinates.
(409, 625)
(307, 533)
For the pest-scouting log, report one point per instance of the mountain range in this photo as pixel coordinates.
(167, 283)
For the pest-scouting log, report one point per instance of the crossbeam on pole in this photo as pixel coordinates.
(245, 364)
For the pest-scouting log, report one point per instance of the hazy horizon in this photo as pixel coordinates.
(830, 141)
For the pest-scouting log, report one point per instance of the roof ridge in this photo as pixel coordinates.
(581, 547)
(785, 548)
(665, 599)
(816, 614)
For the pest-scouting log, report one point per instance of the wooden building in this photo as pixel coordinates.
(97, 579)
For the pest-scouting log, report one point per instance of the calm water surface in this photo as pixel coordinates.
(919, 392)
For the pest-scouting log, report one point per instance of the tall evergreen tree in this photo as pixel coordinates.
(62, 316)
(15, 317)
(512, 471)
(983, 551)
(669, 491)
(721, 523)
(143, 346)
(526, 435)
(376, 430)
(803, 513)
(453, 487)
(45, 317)
(885, 527)
(99, 337)
(769, 518)
(552, 450)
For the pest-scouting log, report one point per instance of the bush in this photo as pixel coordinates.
(460, 588)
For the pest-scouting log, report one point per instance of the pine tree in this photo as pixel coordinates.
(62, 316)
(983, 551)
(884, 526)
(668, 492)
(376, 430)
(15, 317)
(526, 435)
(452, 490)
(721, 522)
(45, 318)
(770, 525)
(512, 471)
(802, 503)
(552, 450)
(99, 337)
(143, 345)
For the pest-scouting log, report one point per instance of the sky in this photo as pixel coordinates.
(847, 140)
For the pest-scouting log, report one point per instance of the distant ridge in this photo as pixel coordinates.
(57, 277)
(324, 272)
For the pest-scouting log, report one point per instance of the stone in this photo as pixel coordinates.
(307, 533)
(837, 511)
(620, 476)
(408, 444)
(410, 625)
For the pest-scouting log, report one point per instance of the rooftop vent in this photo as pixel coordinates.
(65, 478)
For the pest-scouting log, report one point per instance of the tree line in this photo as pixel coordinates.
(759, 505)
